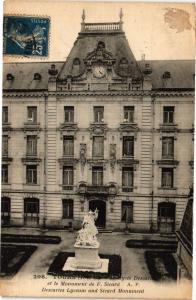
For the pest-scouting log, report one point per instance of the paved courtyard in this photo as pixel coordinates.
(133, 261)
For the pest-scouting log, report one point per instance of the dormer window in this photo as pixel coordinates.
(76, 67)
(166, 75)
(37, 76)
(10, 77)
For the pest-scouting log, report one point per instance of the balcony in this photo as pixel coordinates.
(97, 189)
(110, 189)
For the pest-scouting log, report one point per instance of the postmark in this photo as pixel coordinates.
(26, 36)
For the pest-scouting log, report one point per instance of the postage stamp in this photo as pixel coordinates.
(26, 36)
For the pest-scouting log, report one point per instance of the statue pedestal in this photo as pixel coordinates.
(86, 257)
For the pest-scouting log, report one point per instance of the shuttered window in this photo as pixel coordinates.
(98, 146)
(68, 146)
(32, 145)
(129, 114)
(127, 212)
(128, 146)
(67, 208)
(68, 176)
(167, 177)
(4, 145)
(98, 114)
(168, 114)
(4, 173)
(5, 115)
(31, 174)
(127, 178)
(32, 114)
(97, 176)
(69, 114)
(168, 147)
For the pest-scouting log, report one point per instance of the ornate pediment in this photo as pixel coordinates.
(98, 129)
(100, 54)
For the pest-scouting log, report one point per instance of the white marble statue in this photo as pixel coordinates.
(87, 234)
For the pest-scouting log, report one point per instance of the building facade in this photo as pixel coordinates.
(100, 130)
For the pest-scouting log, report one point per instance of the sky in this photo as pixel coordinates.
(158, 30)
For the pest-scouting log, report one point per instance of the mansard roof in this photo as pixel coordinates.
(181, 72)
(105, 43)
(114, 42)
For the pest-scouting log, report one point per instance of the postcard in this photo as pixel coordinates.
(97, 149)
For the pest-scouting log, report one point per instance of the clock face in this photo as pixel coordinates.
(99, 71)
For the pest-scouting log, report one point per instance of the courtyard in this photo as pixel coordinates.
(147, 262)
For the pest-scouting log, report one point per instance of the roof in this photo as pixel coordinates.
(105, 42)
(182, 74)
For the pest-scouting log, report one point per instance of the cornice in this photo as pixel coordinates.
(138, 93)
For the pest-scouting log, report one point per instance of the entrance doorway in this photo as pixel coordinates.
(101, 206)
(166, 217)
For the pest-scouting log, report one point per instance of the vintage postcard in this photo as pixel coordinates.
(97, 149)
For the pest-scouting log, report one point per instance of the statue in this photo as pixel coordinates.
(83, 155)
(112, 155)
(87, 248)
(87, 234)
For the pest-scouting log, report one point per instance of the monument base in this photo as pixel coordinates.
(70, 262)
(86, 257)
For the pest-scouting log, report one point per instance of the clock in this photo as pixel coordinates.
(99, 71)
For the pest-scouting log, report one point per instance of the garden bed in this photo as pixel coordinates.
(13, 258)
(153, 244)
(37, 239)
(162, 265)
(114, 267)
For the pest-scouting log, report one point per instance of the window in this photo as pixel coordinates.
(68, 146)
(5, 145)
(98, 114)
(67, 208)
(4, 173)
(31, 174)
(68, 177)
(127, 212)
(32, 114)
(31, 211)
(32, 145)
(69, 114)
(98, 146)
(127, 179)
(168, 114)
(128, 146)
(129, 114)
(5, 210)
(167, 177)
(168, 147)
(5, 115)
(97, 176)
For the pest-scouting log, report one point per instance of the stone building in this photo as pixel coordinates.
(100, 130)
